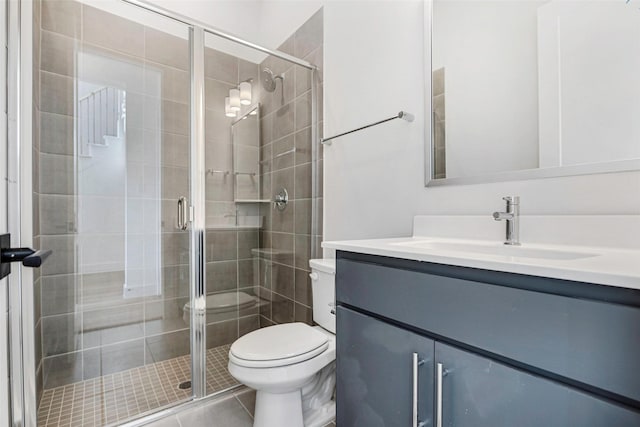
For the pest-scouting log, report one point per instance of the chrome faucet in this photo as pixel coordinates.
(512, 218)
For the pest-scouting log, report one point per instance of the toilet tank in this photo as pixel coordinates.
(323, 287)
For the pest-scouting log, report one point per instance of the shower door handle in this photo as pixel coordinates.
(183, 221)
(27, 256)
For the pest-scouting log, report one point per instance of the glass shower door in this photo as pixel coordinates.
(259, 150)
(111, 157)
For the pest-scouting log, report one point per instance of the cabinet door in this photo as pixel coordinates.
(375, 373)
(478, 392)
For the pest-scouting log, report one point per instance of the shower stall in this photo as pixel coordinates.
(175, 172)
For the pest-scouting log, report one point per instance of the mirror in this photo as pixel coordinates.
(245, 136)
(524, 89)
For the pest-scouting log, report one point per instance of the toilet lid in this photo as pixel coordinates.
(279, 345)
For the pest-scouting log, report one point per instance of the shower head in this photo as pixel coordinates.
(269, 80)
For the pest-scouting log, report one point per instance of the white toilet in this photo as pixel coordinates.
(292, 366)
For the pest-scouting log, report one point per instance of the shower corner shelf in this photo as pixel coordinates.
(252, 201)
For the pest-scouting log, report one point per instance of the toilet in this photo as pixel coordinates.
(292, 366)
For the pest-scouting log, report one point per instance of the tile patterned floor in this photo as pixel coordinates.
(113, 398)
(235, 410)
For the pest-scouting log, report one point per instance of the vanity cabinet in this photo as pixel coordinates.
(383, 372)
(514, 350)
(480, 392)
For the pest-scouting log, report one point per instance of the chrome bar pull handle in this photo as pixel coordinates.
(185, 214)
(179, 214)
(182, 213)
(417, 362)
(439, 375)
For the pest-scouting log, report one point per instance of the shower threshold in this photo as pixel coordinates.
(114, 398)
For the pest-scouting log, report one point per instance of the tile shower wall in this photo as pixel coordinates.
(286, 158)
(229, 248)
(269, 262)
(88, 328)
(89, 325)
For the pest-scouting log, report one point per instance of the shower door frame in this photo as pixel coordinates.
(22, 387)
(23, 399)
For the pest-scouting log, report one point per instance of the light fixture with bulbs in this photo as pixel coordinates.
(238, 96)
(227, 108)
(245, 93)
(234, 99)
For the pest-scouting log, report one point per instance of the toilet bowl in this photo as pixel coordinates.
(225, 306)
(292, 366)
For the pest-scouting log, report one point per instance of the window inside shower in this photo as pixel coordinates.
(117, 176)
(112, 146)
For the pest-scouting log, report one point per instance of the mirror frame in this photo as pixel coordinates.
(628, 165)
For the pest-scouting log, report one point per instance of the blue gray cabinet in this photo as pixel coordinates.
(516, 350)
(375, 373)
(479, 392)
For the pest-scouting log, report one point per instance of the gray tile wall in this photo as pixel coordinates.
(278, 273)
(87, 328)
(229, 256)
(284, 282)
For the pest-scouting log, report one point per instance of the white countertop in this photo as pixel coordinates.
(606, 265)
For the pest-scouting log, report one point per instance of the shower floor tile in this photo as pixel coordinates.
(114, 398)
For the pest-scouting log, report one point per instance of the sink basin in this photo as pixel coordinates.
(494, 248)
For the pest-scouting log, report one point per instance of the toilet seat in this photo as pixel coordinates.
(278, 345)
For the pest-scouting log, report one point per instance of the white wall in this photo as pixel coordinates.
(278, 19)
(264, 22)
(373, 180)
(238, 17)
(373, 60)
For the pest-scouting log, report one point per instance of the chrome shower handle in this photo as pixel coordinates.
(182, 214)
(281, 199)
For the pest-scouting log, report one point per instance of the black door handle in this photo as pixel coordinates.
(27, 256)
(15, 254)
(37, 258)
